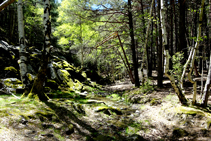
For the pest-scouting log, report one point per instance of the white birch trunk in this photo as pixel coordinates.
(163, 26)
(184, 70)
(193, 55)
(5, 4)
(47, 25)
(22, 50)
(145, 45)
(39, 82)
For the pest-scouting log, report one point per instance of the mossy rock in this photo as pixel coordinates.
(11, 71)
(155, 102)
(12, 83)
(108, 110)
(78, 85)
(208, 124)
(189, 111)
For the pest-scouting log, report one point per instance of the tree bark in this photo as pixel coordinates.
(135, 64)
(22, 51)
(175, 26)
(160, 51)
(37, 90)
(5, 4)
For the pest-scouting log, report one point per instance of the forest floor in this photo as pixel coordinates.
(119, 112)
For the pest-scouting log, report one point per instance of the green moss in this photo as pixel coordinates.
(11, 68)
(114, 97)
(34, 55)
(57, 65)
(110, 110)
(15, 83)
(155, 101)
(190, 111)
(30, 76)
(66, 64)
(68, 69)
(78, 85)
(33, 96)
(84, 74)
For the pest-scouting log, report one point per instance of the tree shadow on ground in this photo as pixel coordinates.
(84, 128)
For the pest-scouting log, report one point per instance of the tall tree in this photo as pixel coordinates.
(135, 64)
(37, 90)
(22, 50)
(160, 50)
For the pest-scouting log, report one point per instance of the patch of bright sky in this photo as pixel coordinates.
(100, 7)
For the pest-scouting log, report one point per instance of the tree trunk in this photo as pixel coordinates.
(172, 31)
(175, 26)
(193, 55)
(37, 90)
(135, 64)
(156, 39)
(205, 96)
(22, 51)
(182, 40)
(160, 51)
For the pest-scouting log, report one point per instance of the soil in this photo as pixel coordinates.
(119, 112)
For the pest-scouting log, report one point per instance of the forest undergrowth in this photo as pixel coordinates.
(110, 114)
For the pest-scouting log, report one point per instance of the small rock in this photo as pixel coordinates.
(69, 131)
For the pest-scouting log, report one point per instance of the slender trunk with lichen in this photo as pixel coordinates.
(37, 90)
(206, 91)
(177, 89)
(192, 56)
(22, 51)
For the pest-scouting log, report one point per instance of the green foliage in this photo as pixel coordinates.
(33, 18)
(177, 66)
(146, 87)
